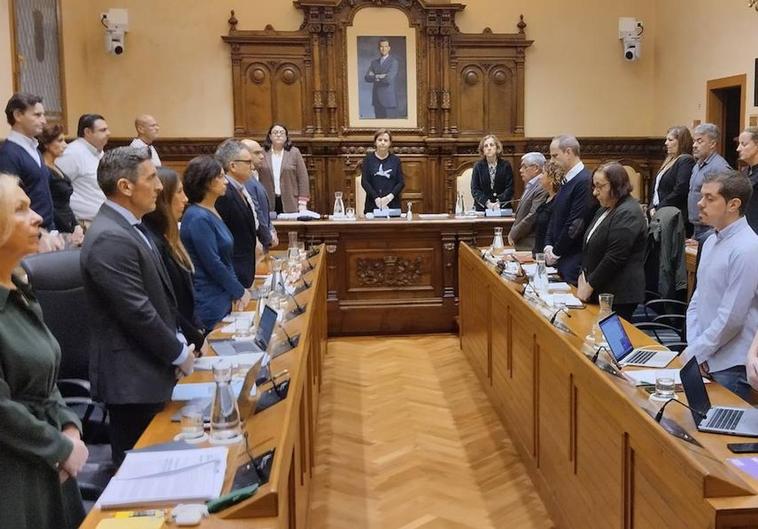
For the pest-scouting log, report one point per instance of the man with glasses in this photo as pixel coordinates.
(522, 232)
(237, 208)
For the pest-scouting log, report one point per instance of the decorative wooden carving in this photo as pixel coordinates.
(389, 271)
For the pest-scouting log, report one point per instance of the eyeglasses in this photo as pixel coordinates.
(278, 132)
(250, 162)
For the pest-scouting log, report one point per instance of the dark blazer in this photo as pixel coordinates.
(541, 223)
(384, 93)
(258, 192)
(238, 217)
(613, 258)
(293, 179)
(480, 184)
(61, 190)
(574, 207)
(752, 206)
(35, 179)
(181, 282)
(133, 313)
(675, 184)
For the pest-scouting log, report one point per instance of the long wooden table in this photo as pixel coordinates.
(393, 276)
(597, 458)
(288, 427)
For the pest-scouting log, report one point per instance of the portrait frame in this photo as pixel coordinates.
(369, 25)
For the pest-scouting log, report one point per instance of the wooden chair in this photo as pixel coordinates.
(463, 185)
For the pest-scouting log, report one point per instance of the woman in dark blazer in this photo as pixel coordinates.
(492, 179)
(672, 183)
(614, 243)
(163, 227)
(283, 172)
(551, 180)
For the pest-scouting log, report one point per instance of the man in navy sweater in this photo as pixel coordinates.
(19, 155)
(574, 207)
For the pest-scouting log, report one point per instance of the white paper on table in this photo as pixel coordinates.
(206, 363)
(646, 377)
(296, 215)
(559, 287)
(531, 269)
(202, 390)
(233, 317)
(168, 476)
(569, 300)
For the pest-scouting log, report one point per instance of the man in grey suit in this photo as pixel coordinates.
(382, 74)
(137, 349)
(522, 232)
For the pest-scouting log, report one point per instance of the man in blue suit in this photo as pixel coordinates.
(574, 207)
(382, 74)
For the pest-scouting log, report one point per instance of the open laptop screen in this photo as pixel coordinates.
(615, 335)
(265, 327)
(694, 388)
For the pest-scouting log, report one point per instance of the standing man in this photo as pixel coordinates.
(522, 232)
(705, 140)
(147, 132)
(267, 235)
(722, 317)
(137, 347)
(573, 209)
(79, 162)
(237, 209)
(382, 74)
(747, 150)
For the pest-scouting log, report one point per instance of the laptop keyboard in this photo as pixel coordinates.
(725, 419)
(640, 357)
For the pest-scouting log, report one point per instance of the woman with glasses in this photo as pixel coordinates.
(209, 243)
(614, 243)
(283, 172)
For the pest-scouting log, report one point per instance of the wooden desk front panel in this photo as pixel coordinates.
(597, 459)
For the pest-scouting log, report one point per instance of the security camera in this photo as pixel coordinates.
(116, 23)
(630, 33)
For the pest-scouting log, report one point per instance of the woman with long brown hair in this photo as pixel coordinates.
(672, 182)
(163, 225)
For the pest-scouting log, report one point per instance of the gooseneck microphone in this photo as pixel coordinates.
(597, 353)
(299, 308)
(289, 338)
(659, 415)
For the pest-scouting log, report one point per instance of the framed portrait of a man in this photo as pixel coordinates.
(381, 70)
(383, 86)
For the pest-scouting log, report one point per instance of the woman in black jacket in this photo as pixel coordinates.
(672, 183)
(551, 180)
(492, 178)
(614, 243)
(163, 225)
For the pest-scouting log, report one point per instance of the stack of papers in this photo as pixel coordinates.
(531, 269)
(646, 377)
(202, 390)
(569, 300)
(294, 216)
(167, 477)
(206, 363)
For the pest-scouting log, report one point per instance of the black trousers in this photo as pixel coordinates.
(127, 422)
(278, 205)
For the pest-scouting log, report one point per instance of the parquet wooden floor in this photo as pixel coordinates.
(406, 441)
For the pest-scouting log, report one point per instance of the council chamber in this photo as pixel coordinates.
(379, 264)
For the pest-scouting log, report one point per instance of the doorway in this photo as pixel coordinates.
(725, 107)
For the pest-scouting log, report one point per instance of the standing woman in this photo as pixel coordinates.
(382, 175)
(672, 183)
(492, 179)
(283, 172)
(614, 244)
(209, 243)
(163, 228)
(52, 143)
(551, 180)
(41, 450)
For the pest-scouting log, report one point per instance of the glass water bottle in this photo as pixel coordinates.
(595, 337)
(225, 415)
(339, 206)
(498, 245)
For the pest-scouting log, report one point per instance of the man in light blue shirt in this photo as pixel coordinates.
(705, 138)
(722, 317)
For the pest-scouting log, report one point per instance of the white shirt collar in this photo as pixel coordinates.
(574, 171)
(22, 140)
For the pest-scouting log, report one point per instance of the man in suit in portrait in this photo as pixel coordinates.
(521, 235)
(137, 348)
(382, 73)
(237, 207)
(573, 209)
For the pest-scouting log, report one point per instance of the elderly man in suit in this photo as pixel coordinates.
(573, 209)
(521, 235)
(137, 348)
(237, 208)
(382, 74)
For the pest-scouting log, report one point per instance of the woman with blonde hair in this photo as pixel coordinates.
(41, 450)
(163, 226)
(551, 181)
(492, 178)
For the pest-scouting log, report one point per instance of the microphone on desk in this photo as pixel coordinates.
(597, 353)
(659, 415)
(306, 283)
(555, 314)
(289, 338)
(299, 308)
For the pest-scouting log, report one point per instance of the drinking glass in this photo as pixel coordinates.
(665, 388)
(192, 423)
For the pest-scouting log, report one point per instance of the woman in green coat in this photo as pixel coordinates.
(41, 450)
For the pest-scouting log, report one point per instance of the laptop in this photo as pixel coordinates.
(718, 419)
(245, 401)
(623, 351)
(259, 344)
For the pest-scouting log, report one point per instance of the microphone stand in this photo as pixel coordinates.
(289, 338)
(659, 415)
(299, 308)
